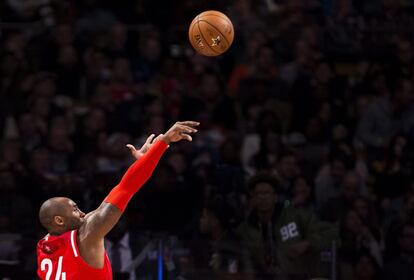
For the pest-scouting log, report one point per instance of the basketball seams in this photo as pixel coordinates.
(202, 36)
(191, 33)
(218, 30)
(219, 16)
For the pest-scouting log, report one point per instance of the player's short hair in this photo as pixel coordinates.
(263, 177)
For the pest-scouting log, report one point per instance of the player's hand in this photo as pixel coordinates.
(180, 131)
(298, 249)
(147, 145)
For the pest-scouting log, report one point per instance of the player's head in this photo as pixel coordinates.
(60, 214)
(264, 189)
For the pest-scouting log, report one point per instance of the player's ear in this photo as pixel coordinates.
(58, 220)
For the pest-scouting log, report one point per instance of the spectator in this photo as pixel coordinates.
(220, 255)
(330, 177)
(356, 238)
(401, 268)
(279, 236)
(338, 205)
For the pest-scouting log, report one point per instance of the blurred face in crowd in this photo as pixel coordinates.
(350, 185)
(256, 39)
(407, 239)
(272, 142)
(26, 126)
(164, 180)
(156, 125)
(58, 138)
(399, 146)
(353, 222)
(265, 59)
(230, 152)
(264, 196)
(15, 43)
(150, 49)
(207, 221)
(405, 52)
(121, 70)
(314, 129)
(339, 132)
(155, 107)
(40, 160)
(268, 121)
(309, 34)
(301, 188)
(118, 34)
(409, 205)
(302, 52)
(41, 107)
(95, 120)
(209, 87)
(338, 170)
(102, 96)
(4, 223)
(45, 88)
(288, 167)
(63, 34)
(365, 268)
(323, 73)
(325, 112)
(9, 65)
(67, 56)
(11, 152)
(404, 96)
(178, 162)
(115, 145)
(362, 208)
(8, 183)
(361, 106)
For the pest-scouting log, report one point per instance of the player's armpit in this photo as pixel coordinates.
(100, 222)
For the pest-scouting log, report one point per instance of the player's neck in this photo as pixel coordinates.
(57, 232)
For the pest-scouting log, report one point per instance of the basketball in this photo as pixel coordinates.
(211, 33)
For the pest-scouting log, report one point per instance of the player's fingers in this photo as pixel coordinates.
(131, 147)
(149, 139)
(158, 138)
(186, 129)
(187, 137)
(193, 130)
(189, 123)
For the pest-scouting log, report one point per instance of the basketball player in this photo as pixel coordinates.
(74, 249)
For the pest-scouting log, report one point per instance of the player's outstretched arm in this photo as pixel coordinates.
(103, 219)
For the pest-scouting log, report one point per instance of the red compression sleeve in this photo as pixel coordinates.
(136, 175)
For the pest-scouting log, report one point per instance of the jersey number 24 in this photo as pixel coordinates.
(48, 263)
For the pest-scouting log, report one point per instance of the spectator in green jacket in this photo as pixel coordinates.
(283, 241)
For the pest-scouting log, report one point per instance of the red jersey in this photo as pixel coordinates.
(58, 258)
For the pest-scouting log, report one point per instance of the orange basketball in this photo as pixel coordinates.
(211, 33)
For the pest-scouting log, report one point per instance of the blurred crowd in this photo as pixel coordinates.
(318, 95)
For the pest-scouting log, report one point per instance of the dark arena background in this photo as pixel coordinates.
(302, 166)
